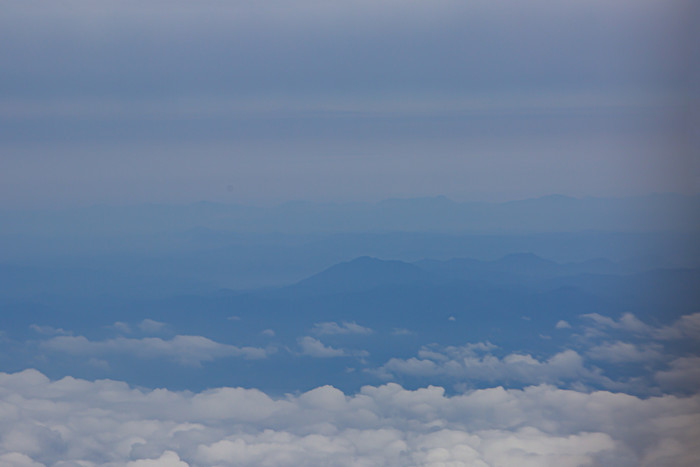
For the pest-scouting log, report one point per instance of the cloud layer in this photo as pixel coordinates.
(77, 422)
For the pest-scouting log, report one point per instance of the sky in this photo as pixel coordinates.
(124, 102)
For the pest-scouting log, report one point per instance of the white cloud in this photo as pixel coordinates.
(344, 328)
(625, 352)
(268, 333)
(151, 326)
(314, 348)
(76, 422)
(168, 459)
(683, 374)
(190, 350)
(401, 332)
(475, 362)
(685, 327)
(628, 322)
(16, 459)
(561, 324)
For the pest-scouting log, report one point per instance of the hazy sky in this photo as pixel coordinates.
(263, 102)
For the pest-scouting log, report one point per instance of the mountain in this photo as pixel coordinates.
(362, 273)
(514, 268)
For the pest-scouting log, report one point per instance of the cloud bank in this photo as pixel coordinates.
(77, 422)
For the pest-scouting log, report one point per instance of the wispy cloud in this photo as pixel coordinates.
(343, 328)
(189, 350)
(49, 330)
(314, 348)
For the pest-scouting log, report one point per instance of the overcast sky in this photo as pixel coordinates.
(264, 102)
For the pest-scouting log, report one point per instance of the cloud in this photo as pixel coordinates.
(683, 374)
(561, 324)
(189, 350)
(628, 322)
(625, 352)
(16, 459)
(122, 327)
(78, 422)
(314, 348)
(147, 326)
(475, 362)
(168, 459)
(344, 328)
(685, 327)
(49, 330)
(151, 326)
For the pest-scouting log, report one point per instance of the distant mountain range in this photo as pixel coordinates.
(521, 270)
(369, 307)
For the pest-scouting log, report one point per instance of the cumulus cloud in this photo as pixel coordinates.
(344, 328)
(686, 327)
(682, 374)
(315, 348)
(77, 422)
(475, 362)
(561, 324)
(189, 350)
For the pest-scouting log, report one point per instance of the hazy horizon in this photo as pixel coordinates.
(237, 102)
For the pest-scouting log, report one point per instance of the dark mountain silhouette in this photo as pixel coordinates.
(363, 273)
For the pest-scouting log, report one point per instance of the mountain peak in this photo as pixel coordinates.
(364, 273)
